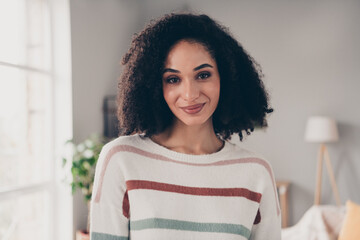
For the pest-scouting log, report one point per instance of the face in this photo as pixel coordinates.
(191, 83)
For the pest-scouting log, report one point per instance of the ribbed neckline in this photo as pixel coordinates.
(159, 149)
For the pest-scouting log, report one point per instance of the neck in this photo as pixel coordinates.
(190, 139)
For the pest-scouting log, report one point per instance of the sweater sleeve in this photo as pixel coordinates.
(269, 217)
(109, 209)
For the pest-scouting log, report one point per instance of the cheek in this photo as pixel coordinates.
(169, 95)
(214, 91)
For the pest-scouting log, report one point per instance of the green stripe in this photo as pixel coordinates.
(190, 226)
(105, 236)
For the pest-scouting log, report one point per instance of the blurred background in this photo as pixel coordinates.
(60, 60)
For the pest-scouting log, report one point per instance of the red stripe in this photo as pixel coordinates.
(258, 217)
(225, 192)
(126, 205)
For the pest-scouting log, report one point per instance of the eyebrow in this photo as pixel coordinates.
(195, 69)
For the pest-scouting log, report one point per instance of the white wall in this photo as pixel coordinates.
(310, 56)
(100, 34)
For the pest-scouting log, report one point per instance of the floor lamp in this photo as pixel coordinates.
(323, 130)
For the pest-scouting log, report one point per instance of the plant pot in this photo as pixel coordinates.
(82, 235)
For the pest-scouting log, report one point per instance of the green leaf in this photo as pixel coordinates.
(83, 162)
(75, 171)
(73, 188)
(64, 160)
(87, 197)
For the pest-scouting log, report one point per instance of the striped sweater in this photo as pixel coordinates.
(145, 191)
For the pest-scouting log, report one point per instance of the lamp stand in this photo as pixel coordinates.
(323, 153)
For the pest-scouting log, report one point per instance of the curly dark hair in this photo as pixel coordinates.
(243, 102)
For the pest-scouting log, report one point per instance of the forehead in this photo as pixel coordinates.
(186, 53)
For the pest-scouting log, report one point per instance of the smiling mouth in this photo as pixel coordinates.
(193, 109)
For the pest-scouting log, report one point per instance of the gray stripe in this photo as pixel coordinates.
(190, 226)
(105, 236)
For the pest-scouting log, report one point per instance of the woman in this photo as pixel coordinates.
(187, 86)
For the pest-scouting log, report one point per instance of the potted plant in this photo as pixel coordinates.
(82, 163)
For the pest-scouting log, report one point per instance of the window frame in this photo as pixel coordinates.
(60, 197)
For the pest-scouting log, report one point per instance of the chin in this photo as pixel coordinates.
(194, 121)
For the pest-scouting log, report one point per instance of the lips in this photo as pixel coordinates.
(193, 109)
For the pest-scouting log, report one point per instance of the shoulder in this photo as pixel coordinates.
(111, 158)
(242, 152)
(119, 146)
(130, 140)
(258, 162)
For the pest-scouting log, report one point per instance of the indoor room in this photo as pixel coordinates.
(60, 72)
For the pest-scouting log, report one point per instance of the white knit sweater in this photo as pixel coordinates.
(145, 191)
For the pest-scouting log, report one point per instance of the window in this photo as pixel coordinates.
(28, 139)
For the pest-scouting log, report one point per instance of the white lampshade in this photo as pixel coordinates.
(321, 130)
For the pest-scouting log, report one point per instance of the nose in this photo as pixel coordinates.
(190, 91)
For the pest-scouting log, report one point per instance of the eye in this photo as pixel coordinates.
(172, 80)
(204, 75)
